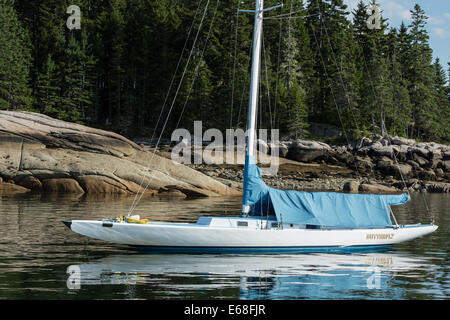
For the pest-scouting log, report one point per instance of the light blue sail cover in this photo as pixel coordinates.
(330, 209)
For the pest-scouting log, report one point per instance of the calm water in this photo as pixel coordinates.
(37, 250)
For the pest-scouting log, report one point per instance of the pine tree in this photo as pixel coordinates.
(448, 82)
(443, 106)
(316, 66)
(109, 29)
(240, 46)
(295, 72)
(375, 86)
(420, 76)
(336, 92)
(48, 48)
(15, 60)
(47, 88)
(76, 94)
(398, 116)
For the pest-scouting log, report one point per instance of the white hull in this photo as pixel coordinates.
(223, 233)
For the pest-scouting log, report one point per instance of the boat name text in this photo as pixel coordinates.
(379, 236)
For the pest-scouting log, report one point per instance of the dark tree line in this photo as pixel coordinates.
(123, 68)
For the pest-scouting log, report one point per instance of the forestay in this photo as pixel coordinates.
(328, 209)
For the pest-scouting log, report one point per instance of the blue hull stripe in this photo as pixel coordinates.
(261, 249)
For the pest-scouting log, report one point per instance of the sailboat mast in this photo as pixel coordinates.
(253, 100)
(254, 85)
(254, 81)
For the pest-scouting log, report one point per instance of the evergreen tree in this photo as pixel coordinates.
(399, 115)
(47, 88)
(375, 88)
(336, 92)
(443, 106)
(15, 60)
(48, 21)
(295, 71)
(76, 94)
(124, 67)
(420, 76)
(109, 29)
(448, 82)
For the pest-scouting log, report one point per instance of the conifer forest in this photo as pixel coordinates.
(130, 65)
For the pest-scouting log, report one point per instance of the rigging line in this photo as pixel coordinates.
(393, 59)
(176, 69)
(198, 64)
(267, 78)
(167, 95)
(247, 78)
(373, 87)
(389, 138)
(173, 102)
(426, 205)
(289, 63)
(291, 13)
(383, 127)
(234, 64)
(373, 90)
(278, 72)
(423, 196)
(381, 107)
(289, 47)
(340, 73)
(345, 89)
(259, 103)
(332, 93)
(291, 17)
(398, 165)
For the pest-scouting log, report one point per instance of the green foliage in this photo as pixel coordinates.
(123, 69)
(15, 60)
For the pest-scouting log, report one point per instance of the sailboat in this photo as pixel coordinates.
(272, 220)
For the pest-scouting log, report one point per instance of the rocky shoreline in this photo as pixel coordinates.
(377, 165)
(39, 153)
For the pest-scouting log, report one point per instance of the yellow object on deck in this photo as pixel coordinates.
(141, 221)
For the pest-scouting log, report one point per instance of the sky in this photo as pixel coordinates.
(438, 23)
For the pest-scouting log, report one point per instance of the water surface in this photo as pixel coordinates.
(37, 251)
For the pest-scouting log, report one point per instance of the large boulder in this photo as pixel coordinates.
(437, 187)
(399, 141)
(418, 151)
(446, 155)
(351, 186)
(278, 148)
(376, 188)
(379, 150)
(42, 153)
(307, 151)
(446, 165)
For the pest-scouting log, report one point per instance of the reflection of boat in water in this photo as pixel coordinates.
(275, 275)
